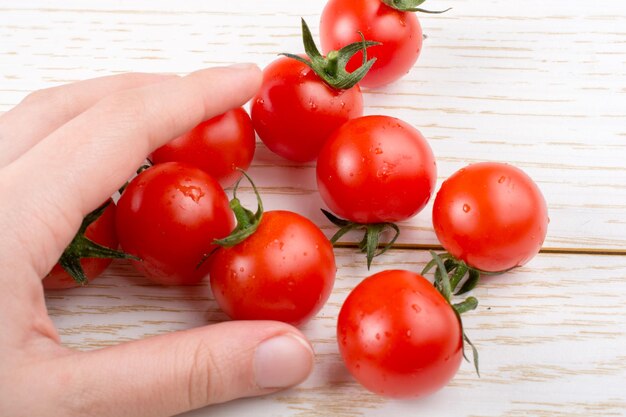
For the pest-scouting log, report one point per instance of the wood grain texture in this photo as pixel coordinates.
(550, 335)
(542, 86)
(538, 84)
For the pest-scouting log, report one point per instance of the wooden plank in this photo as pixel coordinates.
(550, 335)
(541, 86)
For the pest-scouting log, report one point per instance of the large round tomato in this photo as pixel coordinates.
(376, 169)
(168, 216)
(491, 216)
(102, 232)
(399, 33)
(294, 112)
(219, 146)
(284, 271)
(398, 336)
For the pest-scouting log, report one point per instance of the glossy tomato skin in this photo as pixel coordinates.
(491, 215)
(294, 111)
(218, 146)
(376, 169)
(101, 231)
(168, 216)
(400, 34)
(284, 271)
(398, 336)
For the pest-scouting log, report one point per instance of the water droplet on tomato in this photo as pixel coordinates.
(408, 333)
(416, 308)
(378, 151)
(241, 269)
(260, 101)
(466, 208)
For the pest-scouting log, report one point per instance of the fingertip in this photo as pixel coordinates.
(283, 361)
(227, 87)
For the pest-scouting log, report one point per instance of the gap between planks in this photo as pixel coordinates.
(564, 251)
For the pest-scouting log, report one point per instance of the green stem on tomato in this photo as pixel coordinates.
(247, 221)
(371, 238)
(411, 6)
(444, 264)
(332, 68)
(82, 247)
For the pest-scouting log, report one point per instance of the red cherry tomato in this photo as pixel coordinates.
(284, 271)
(376, 169)
(491, 216)
(398, 336)
(294, 112)
(169, 216)
(218, 146)
(102, 232)
(399, 33)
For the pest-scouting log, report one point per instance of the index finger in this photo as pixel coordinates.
(82, 163)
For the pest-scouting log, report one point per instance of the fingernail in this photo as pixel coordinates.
(282, 361)
(242, 65)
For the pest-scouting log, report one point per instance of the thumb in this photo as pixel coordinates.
(169, 374)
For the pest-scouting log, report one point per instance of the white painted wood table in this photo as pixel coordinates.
(541, 85)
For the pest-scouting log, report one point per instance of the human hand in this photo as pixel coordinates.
(63, 151)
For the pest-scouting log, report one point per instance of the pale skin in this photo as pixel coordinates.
(63, 151)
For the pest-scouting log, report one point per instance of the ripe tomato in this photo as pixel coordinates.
(491, 216)
(169, 216)
(218, 146)
(102, 232)
(376, 169)
(284, 271)
(398, 336)
(399, 32)
(294, 112)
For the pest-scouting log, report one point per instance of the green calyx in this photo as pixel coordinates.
(411, 6)
(449, 272)
(371, 239)
(332, 68)
(247, 221)
(82, 247)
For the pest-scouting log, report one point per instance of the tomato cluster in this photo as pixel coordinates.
(399, 334)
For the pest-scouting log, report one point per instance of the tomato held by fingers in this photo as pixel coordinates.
(302, 101)
(390, 22)
(220, 146)
(490, 215)
(284, 271)
(101, 231)
(398, 336)
(168, 216)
